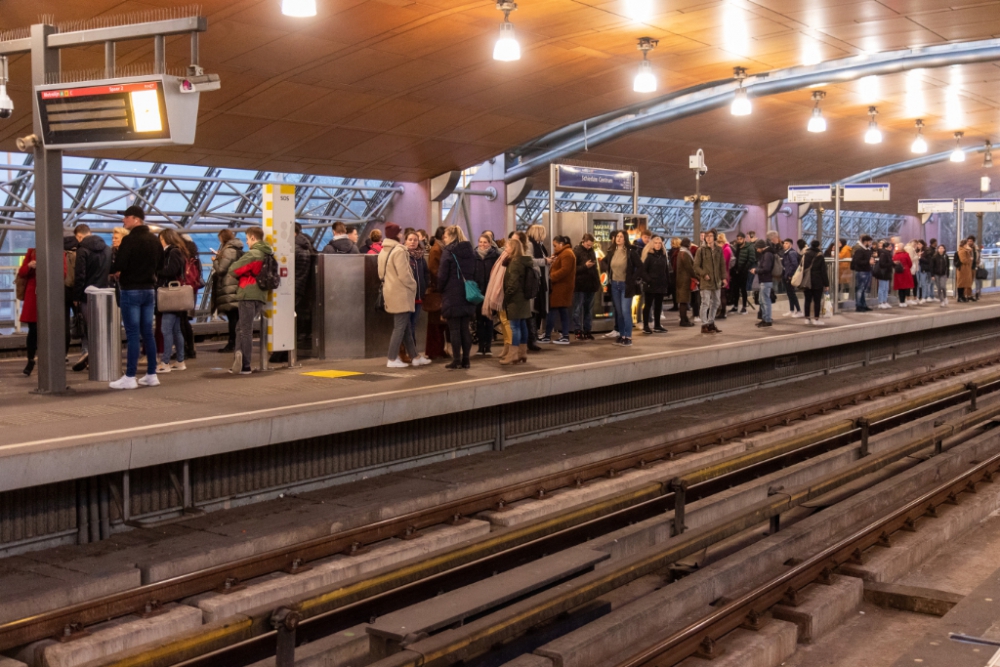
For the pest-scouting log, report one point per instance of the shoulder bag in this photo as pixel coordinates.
(805, 280)
(472, 292)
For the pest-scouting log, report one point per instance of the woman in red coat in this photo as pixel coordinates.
(902, 281)
(29, 306)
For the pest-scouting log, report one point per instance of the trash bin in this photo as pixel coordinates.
(104, 335)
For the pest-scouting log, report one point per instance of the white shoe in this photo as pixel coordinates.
(944, 303)
(809, 321)
(788, 314)
(903, 304)
(397, 363)
(797, 314)
(421, 361)
(237, 366)
(150, 380)
(611, 334)
(697, 320)
(162, 368)
(819, 323)
(124, 382)
(181, 366)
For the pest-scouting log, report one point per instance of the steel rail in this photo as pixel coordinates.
(40, 626)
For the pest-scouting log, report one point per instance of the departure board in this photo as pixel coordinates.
(103, 113)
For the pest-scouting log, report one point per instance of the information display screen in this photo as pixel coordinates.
(103, 113)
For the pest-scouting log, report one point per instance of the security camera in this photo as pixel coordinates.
(697, 162)
(28, 143)
(200, 84)
(6, 104)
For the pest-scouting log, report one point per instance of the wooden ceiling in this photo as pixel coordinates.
(406, 90)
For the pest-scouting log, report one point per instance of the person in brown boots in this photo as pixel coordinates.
(685, 273)
(517, 302)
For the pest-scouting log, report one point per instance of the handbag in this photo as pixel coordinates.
(175, 298)
(20, 288)
(805, 281)
(78, 327)
(982, 274)
(472, 292)
(797, 276)
(897, 267)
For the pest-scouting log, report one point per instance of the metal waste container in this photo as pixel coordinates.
(104, 334)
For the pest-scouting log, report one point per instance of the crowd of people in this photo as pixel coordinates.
(513, 288)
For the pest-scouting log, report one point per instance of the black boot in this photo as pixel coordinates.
(29, 367)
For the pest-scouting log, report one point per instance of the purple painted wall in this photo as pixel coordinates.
(485, 214)
(412, 208)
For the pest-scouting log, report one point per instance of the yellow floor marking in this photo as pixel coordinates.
(332, 374)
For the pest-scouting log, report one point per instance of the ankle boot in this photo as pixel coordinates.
(522, 353)
(506, 350)
(509, 356)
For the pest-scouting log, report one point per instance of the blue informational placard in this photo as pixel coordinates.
(586, 178)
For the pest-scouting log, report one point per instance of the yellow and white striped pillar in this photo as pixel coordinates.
(278, 208)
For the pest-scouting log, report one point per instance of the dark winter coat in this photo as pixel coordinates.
(940, 265)
(226, 284)
(790, 262)
(883, 269)
(685, 273)
(709, 262)
(814, 262)
(516, 306)
(458, 254)
(539, 252)
(562, 274)
(484, 266)
(655, 272)
(925, 259)
(305, 260)
(861, 259)
(138, 259)
(93, 262)
(588, 280)
(633, 270)
(746, 256)
(765, 264)
(172, 269)
(341, 246)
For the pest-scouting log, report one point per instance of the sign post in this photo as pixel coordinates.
(278, 207)
(852, 192)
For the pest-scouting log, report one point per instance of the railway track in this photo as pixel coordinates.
(321, 615)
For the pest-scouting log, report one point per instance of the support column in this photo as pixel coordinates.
(48, 234)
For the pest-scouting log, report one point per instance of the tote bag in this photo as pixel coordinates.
(175, 298)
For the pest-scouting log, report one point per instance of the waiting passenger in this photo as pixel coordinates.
(93, 263)
(729, 261)
(815, 280)
(399, 291)
(964, 271)
(418, 265)
(861, 265)
(586, 285)
(625, 270)
(175, 257)
(710, 271)
(225, 285)
(136, 264)
(250, 296)
(656, 282)
(903, 274)
(487, 255)
(25, 288)
(341, 243)
(516, 304)
(925, 291)
(789, 263)
(437, 330)
(746, 259)
(939, 273)
(537, 250)
(493, 303)
(882, 270)
(685, 276)
(562, 276)
(374, 244)
(458, 264)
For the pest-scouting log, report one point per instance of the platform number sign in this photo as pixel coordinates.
(278, 206)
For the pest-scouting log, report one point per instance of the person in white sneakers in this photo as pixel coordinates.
(399, 292)
(815, 280)
(939, 273)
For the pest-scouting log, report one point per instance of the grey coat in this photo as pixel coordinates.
(225, 285)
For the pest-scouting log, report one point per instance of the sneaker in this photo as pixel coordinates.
(762, 324)
(697, 320)
(626, 342)
(487, 353)
(237, 366)
(659, 330)
(798, 314)
(788, 314)
(178, 366)
(544, 340)
(611, 334)
(246, 371)
(618, 341)
(581, 336)
(163, 368)
(588, 336)
(81, 364)
(819, 323)
(397, 363)
(150, 380)
(809, 321)
(124, 382)
(944, 303)
(904, 305)
(562, 341)
(743, 310)
(421, 361)
(647, 331)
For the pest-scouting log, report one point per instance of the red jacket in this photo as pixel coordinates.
(29, 309)
(903, 280)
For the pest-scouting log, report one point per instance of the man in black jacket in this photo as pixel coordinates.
(861, 264)
(93, 262)
(139, 257)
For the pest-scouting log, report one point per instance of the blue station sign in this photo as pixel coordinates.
(585, 178)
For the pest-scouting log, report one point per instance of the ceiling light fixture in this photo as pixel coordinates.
(645, 80)
(958, 155)
(817, 123)
(298, 8)
(988, 159)
(873, 135)
(919, 144)
(639, 11)
(507, 49)
(741, 102)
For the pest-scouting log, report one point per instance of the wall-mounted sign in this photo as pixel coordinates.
(585, 178)
(866, 192)
(809, 193)
(114, 113)
(278, 208)
(982, 206)
(935, 205)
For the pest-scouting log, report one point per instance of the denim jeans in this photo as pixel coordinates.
(583, 311)
(172, 336)
(793, 298)
(137, 316)
(765, 301)
(924, 290)
(623, 308)
(550, 321)
(883, 291)
(518, 332)
(710, 300)
(862, 281)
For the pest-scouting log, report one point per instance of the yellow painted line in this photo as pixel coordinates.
(332, 374)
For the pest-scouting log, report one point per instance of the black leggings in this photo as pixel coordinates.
(654, 301)
(32, 341)
(484, 331)
(461, 338)
(232, 319)
(814, 298)
(903, 294)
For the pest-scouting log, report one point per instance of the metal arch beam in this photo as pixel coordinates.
(906, 165)
(705, 97)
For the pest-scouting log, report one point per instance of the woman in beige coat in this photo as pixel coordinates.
(964, 273)
(399, 292)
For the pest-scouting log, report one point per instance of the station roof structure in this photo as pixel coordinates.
(406, 90)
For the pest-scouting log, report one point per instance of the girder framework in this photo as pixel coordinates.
(852, 225)
(667, 217)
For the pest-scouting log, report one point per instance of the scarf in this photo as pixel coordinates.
(481, 252)
(417, 253)
(494, 289)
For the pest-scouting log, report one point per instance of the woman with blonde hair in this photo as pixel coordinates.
(516, 304)
(175, 257)
(539, 254)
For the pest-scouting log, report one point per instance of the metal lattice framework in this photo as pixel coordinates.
(853, 224)
(667, 217)
(195, 199)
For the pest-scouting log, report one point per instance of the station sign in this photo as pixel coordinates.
(935, 206)
(117, 113)
(982, 206)
(866, 192)
(798, 194)
(278, 223)
(585, 178)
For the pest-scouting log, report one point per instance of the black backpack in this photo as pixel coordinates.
(531, 283)
(268, 278)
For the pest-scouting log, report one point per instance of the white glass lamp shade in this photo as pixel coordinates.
(919, 145)
(645, 80)
(817, 123)
(741, 103)
(957, 155)
(507, 49)
(873, 135)
(298, 8)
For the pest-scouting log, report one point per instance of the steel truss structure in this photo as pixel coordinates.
(195, 199)
(667, 217)
(852, 225)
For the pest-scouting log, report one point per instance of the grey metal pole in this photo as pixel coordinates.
(979, 229)
(159, 54)
(836, 254)
(109, 59)
(819, 223)
(696, 213)
(552, 203)
(958, 227)
(635, 193)
(48, 233)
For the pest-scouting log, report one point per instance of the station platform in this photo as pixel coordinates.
(206, 412)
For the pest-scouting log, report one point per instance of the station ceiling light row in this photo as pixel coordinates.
(298, 8)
